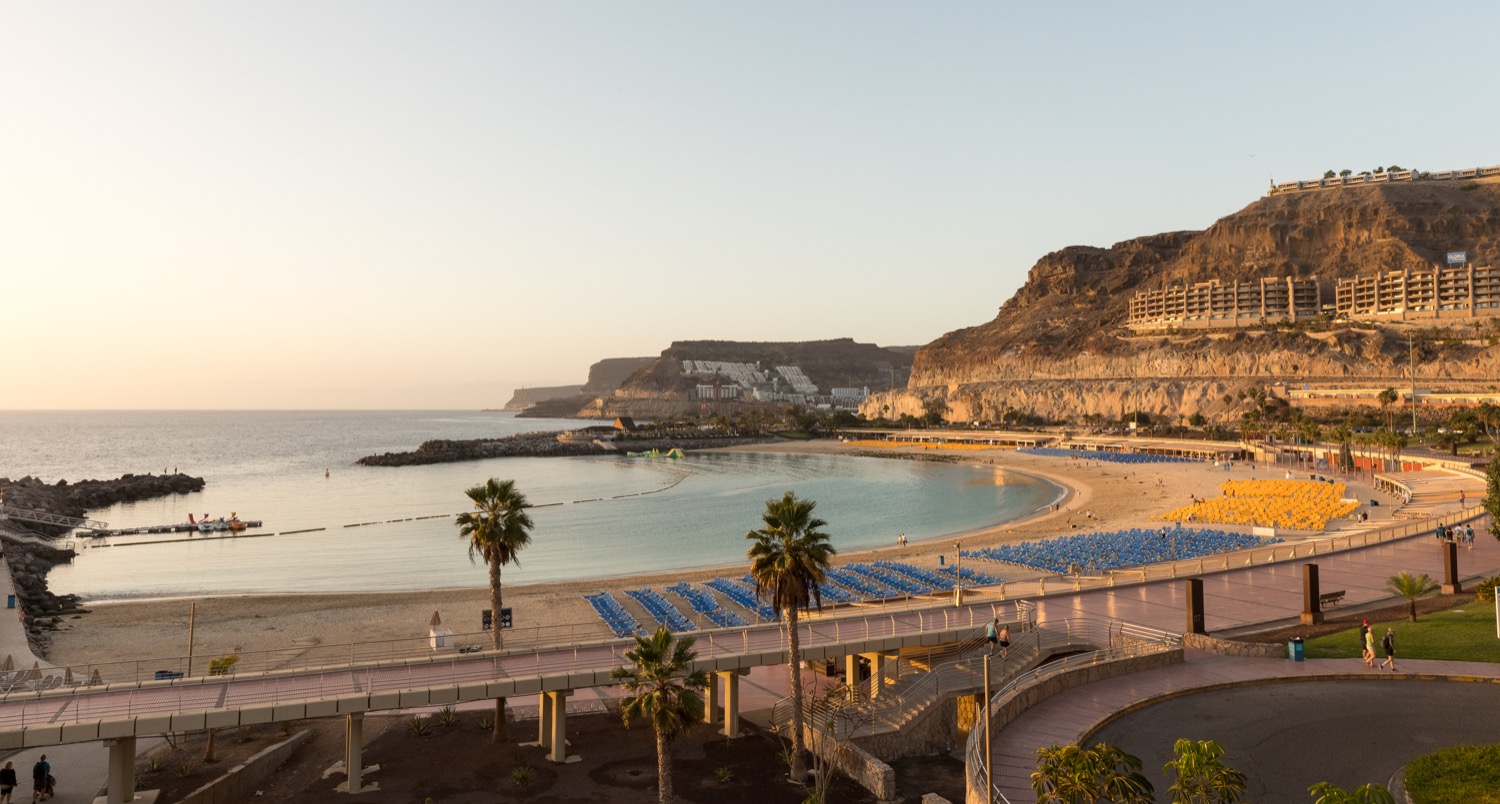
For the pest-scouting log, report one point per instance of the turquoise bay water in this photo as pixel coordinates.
(596, 517)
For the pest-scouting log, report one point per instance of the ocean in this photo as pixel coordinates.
(363, 527)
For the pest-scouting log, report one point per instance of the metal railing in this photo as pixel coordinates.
(1132, 641)
(891, 708)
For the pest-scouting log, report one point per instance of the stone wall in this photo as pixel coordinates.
(242, 780)
(858, 764)
(1228, 647)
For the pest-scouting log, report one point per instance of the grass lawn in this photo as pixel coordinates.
(1466, 634)
(1465, 774)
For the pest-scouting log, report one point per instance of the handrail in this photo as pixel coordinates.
(975, 760)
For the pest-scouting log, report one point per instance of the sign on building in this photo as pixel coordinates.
(1458, 257)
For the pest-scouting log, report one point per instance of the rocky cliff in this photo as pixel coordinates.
(1066, 322)
(565, 400)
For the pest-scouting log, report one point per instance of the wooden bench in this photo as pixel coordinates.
(1330, 598)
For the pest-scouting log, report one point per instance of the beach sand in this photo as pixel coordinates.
(1099, 496)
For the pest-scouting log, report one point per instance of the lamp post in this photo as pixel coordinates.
(958, 576)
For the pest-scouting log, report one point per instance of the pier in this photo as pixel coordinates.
(180, 527)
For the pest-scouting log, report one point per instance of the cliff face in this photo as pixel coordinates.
(1067, 321)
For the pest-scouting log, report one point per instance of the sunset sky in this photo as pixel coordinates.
(425, 205)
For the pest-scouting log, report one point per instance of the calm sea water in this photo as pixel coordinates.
(596, 517)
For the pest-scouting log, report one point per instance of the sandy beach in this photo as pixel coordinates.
(1098, 496)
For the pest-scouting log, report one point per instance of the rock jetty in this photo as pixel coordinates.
(31, 550)
(42, 612)
(77, 499)
(540, 445)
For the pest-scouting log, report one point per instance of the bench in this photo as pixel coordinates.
(1330, 598)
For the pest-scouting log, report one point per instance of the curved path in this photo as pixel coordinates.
(1287, 737)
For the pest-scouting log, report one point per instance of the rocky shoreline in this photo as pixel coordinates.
(539, 445)
(30, 549)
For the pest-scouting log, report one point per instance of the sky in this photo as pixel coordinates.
(352, 205)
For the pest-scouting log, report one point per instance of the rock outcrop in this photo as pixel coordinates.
(1066, 324)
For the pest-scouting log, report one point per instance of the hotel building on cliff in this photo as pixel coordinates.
(1437, 293)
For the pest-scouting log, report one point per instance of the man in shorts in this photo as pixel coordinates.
(41, 775)
(990, 635)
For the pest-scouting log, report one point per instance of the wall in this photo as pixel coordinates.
(1226, 647)
(242, 780)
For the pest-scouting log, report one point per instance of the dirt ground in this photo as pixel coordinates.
(457, 765)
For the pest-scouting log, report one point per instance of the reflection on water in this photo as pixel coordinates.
(602, 516)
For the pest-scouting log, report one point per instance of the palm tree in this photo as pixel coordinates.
(1202, 776)
(497, 529)
(1068, 774)
(663, 688)
(1411, 587)
(1387, 398)
(788, 558)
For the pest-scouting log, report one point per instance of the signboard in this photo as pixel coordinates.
(1458, 257)
(487, 619)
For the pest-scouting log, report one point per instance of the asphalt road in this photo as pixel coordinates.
(1287, 737)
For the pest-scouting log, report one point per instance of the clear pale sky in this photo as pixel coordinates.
(425, 205)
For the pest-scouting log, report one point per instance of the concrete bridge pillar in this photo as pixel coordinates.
(731, 702)
(711, 701)
(877, 664)
(544, 721)
(121, 778)
(557, 738)
(354, 742)
(851, 673)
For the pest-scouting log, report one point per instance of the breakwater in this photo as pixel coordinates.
(77, 499)
(553, 444)
(32, 550)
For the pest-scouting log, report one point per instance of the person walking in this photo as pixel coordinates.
(41, 780)
(1004, 642)
(1388, 644)
(990, 635)
(1364, 639)
(1369, 648)
(8, 782)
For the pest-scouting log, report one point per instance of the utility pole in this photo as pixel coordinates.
(1411, 357)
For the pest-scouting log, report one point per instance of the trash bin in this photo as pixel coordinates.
(1294, 649)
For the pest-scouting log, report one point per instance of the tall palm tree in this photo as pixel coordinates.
(1069, 774)
(663, 688)
(788, 558)
(1411, 587)
(497, 529)
(1202, 776)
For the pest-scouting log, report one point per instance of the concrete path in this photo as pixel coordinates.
(1068, 717)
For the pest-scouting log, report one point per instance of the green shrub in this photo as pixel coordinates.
(1486, 589)
(418, 726)
(725, 775)
(446, 716)
(521, 775)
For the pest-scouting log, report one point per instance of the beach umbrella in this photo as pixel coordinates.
(10, 663)
(436, 620)
(68, 676)
(94, 679)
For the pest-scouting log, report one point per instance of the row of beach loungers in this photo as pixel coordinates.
(1100, 455)
(1097, 552)
(851, 583)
